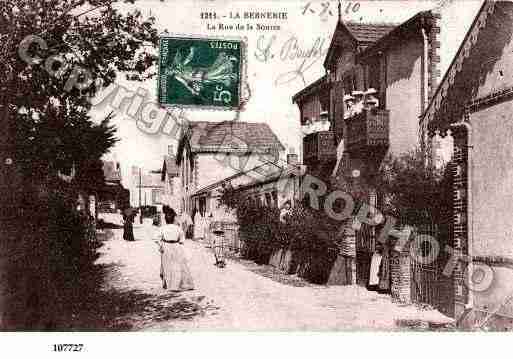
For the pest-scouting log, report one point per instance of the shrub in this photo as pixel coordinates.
(414, 192)
(308, 233)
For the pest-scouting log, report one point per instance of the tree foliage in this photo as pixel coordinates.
(412, 189)
(88, 42)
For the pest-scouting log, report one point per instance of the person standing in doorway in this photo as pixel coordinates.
(198, 226)
(285, 211)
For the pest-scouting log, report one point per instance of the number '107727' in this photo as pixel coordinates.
(68, 347)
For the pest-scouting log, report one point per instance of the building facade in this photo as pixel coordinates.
(269, 184)
(396, 66)
(146, 187)
(112, 196)
(472, 109)
(171, 180)
(211, 152)
(379, 80)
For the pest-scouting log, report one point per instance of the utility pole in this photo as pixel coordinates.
(140, 185)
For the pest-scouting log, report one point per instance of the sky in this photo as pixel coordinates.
(269, 79)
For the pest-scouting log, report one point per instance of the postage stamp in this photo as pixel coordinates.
(200, 72)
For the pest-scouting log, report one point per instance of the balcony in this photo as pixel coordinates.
(319, 146)
(368, 131)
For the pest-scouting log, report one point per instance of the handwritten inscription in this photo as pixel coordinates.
(324, 9)
(291, 50)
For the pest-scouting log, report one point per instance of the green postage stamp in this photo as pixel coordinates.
(200, 72)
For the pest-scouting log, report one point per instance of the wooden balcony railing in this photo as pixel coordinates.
(319, 146)
(368, 130)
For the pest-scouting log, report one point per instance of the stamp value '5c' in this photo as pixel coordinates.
(200, 72)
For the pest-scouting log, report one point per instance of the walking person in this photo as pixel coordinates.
(218, 237)
(174, 270)
(128, 225)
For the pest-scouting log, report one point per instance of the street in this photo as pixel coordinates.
(239, 297)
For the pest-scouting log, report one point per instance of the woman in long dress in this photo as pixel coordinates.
(174, 269)
(198, 226)
(128, 227)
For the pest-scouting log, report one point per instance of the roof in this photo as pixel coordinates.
(312, 88)
(362, 35)
(281, 172)
(369, 32)
(470, 47)
(260, 171)
(398, 32)
(169, 167)
(231, 136)
(264, 173)
(111, 172)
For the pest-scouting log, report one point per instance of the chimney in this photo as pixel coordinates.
(171, 150)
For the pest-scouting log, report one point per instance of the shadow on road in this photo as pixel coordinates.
(104, 308)
(84, 300)
(277, 275)
(116, 310)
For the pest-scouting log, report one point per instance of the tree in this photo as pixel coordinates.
(57, 55)
(412, 189)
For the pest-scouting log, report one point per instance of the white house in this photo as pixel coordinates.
(209, 152)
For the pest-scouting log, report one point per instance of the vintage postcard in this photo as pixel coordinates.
(292, 166)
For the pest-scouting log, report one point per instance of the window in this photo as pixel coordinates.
(203, 205)
(349, 83)
(268, 200)
(156, 196)
(377, 79)
(275, 198)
